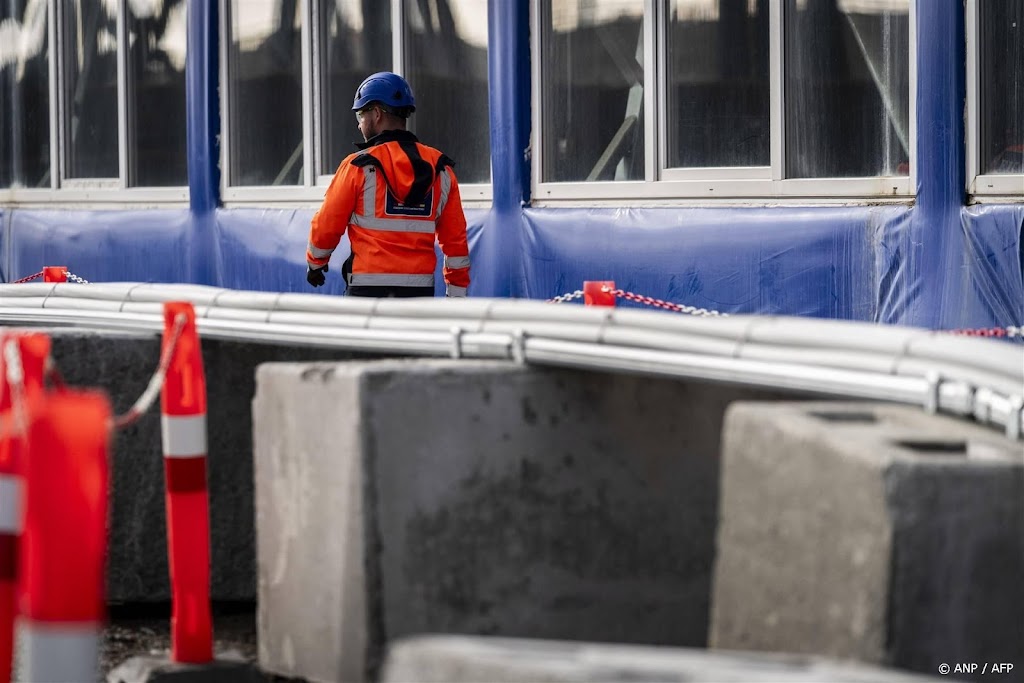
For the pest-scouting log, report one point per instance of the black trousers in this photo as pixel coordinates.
(388, 292)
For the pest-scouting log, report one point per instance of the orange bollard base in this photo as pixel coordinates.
(594, 294)
(228, 667)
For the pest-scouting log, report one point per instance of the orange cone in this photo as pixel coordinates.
(594, 294)
(32, 350)
(63, 558)
(183, 421)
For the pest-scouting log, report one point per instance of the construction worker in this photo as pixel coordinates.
(394, 196)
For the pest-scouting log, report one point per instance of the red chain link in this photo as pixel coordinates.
(1011, 332)
(28, 279)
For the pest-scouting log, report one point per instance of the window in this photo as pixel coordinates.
(292, 67)
(722, 98)
(107, 110)
(996, 96)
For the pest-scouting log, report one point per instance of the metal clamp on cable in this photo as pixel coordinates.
(457, 342)
(518, 347)
(1014, 419)
(932, 392)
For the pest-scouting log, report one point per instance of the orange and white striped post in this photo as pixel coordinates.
(183, 422)
(594, 293)
(55, 274)
(63, 552)
(31, 351)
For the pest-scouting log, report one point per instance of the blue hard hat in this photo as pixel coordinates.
(387, 88)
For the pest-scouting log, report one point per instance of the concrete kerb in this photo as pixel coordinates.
(460, 659)
(479, 497)
(870, 531)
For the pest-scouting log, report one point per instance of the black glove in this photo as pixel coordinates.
(315, 276)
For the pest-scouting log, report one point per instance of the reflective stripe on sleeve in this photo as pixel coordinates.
(317, 252)
(456, 262)
(454, 291)
(10, 504)
(393, 224)
(392, 280)
(184, 436)
(446, 186)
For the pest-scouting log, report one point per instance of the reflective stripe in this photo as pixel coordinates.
(446, 186)
(392, 280)
(184, 436)
(369, 190)
(59, 653)
(10, 504)
(454, 291)
(456, 262)
(317, 252)
(392, 224)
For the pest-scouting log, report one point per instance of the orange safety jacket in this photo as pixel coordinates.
(394, 197)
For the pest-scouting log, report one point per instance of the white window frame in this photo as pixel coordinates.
(700, 186)
(89, 192)
(982, 187)
(311, 192)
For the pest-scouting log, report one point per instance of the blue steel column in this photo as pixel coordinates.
(202, 112)
(941, 168)
(508, 67)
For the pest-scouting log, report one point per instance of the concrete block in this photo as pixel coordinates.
(225, 668)
(403, 497)
(873, 532)
(122, 364)
(461, 659)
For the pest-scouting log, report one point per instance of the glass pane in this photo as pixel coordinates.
(847, 88)
(24, 95)
(265, 87)
(592, 75)
(89, 53)
(446, 54)
(156, 101)
(356, 39)
(1002, 86)
(718, 94)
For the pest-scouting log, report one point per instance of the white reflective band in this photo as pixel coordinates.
(446, 186)
(456, 262)
(454, 291)
(317, 252)
(392, 280)
(369, 191)
(10, 504)
(58, 653)
(392, 224)
(184, 436)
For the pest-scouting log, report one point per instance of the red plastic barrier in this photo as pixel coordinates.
(33, 350)
(188, 519)
(63, 558)
(594, 294)
(55, 274)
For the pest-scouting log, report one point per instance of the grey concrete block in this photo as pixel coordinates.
(122, 364)
(873, 532)
(225, 668)
(454, 659)
(404, 497)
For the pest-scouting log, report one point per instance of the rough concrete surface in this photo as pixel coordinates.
(479, 497)
(122, 364)
(870, 531)
(460, 659)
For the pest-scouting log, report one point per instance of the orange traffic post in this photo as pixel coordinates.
(55, 274)
(599, 292)
(64, 545)
(31, 351)
(183, 419)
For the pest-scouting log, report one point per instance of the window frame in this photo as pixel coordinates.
(982, 187)
(737, 185)
(311, 192)
(89, 192)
